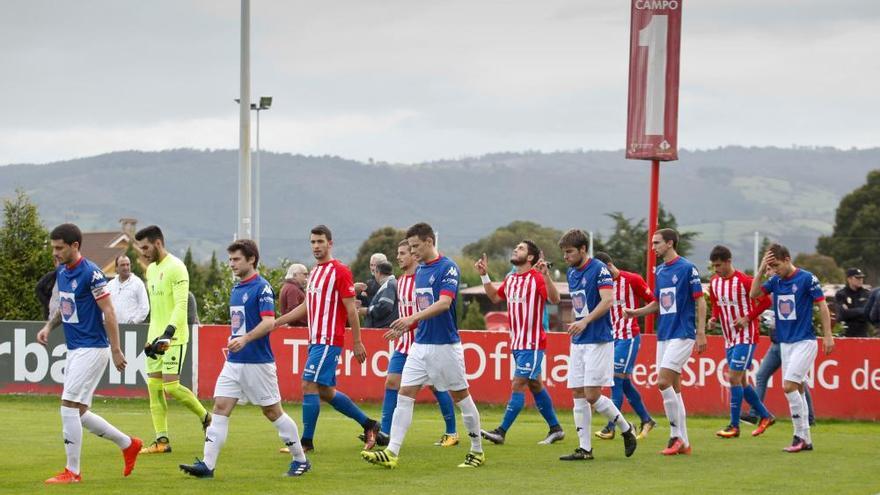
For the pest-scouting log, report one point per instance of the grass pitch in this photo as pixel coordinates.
(845, 460)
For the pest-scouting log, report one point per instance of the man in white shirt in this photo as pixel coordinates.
(128, 294)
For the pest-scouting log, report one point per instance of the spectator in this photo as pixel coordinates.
(872, 308)
(293, 291)
(383, 307)
(850, 304)
(366, 291)
(128, 293)
(47, 292)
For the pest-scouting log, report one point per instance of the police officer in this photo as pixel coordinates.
(851, 301)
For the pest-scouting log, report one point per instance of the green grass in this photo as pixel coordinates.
(845, 460)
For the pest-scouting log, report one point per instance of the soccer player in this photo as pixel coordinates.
(739, 316)
(591, 360)
(436, 356)
(249, 371)
(406, 307)
(168, 287)
(526, 292)
(795, 291)
(92, 337)
(681, 325)
(329, 304)
(628, 288)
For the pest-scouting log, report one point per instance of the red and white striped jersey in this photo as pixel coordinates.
(526, 294)
(406, 306)
(630, 289)
(329, 283)
(730, 302)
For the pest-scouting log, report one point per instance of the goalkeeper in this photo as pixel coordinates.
(168, 287)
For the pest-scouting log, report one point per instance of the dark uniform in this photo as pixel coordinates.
(850, 306)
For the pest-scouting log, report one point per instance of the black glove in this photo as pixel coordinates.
(156, 348)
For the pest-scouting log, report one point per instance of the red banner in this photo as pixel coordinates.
(652, 113)
(844, 385)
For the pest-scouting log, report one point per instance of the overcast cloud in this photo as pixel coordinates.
(412, 80)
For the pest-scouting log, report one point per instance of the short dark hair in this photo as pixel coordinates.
(779, 251)
(421, 230)
(322, 230)
(247, 247)
(720, 253)
(150, 233)
(533, 250)
(67, 232)
(575, 238)
(603, 257)
(384, 268)
(668, 235)
(116, 261)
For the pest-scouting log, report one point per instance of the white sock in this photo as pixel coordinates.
(400, 422)
(290, 436)
(71, 428)
(583, 416)
(805, 420)
(682, 420)
(470, 416)
(670, 405)
(215, 437)
(798, 412)
(99, 426)
(606, 407)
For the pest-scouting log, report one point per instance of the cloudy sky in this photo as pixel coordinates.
(414, 80)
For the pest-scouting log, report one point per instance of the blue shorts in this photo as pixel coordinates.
(739, 357)
(395, 364)
(625, 353)
(321, 364)
(528, 363)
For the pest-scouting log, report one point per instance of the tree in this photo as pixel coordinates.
(26, 257)
(856, 228)
(383, 241)
(473, 318)
(499, 244)
(196, 274)
(628, 242)
(822, 267)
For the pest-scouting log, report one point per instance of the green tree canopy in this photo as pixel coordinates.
(628, 243)
(26, 257)
(823, 267)
(857, 230)
(499, 244)
(384, 241)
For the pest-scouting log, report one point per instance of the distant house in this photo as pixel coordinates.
(104, 247)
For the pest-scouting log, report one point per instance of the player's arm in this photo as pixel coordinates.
(266, 325)
(716, 311)
(825, 317)
(43, 334)
(180, 294)
(759, 289)
(701, 322)
(606, 299)
(360, 352)
(298, 313)
(482, 267)
(112, 329)
(647, 309)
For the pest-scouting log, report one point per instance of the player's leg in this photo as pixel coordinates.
(623, 349)
(228, 390)
(771, 362)
(797, 359)
(172, 363)
(446, 372)
(675, 354)
(158, 407)
(392, 385)
(581, 412)
(544, 404)
(447, 410)
(599, 372)
(766, 419)
(326, 380)
(320, 366)
(524, 365)
(736, 366)
(665, 380)
(809, 398)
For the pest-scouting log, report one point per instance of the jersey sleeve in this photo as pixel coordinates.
(603, 279)
(816, 290)
(98, 285)
(770, 285)
(502, 289)
(541, 287)
(641, 289)
(267, 301)
(696, 285)
(344, 281)
(449, 281)
(716, 311)
(179, 292)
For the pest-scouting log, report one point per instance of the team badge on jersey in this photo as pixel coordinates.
(785, 307)
(667, 301)
(424, 298)
(67, 304)
(579, 303)
(236, 320)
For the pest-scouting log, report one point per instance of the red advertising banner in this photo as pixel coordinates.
(845, 384)
(652, 112)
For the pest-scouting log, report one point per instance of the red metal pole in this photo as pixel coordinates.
(652, 227)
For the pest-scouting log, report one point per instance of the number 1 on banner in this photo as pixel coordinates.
(654, 36)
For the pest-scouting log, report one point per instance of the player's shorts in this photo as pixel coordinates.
(673, 354)
(739, 357)
(798, 359)
(591, 365)
(625, 353)
(528, 363)
(170, 363)
(82, 373)
(441, 365)
(395, 364)
(321, 364)
(256, 383)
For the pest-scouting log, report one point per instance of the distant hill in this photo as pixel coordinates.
(725, 194)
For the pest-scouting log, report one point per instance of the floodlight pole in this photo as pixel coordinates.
(244, 136)
(652, 227)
